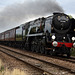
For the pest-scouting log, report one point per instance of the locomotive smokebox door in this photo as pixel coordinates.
(61, 23)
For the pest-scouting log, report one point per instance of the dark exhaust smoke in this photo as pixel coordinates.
(17, 14)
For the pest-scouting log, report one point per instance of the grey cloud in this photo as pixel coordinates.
(16, 14)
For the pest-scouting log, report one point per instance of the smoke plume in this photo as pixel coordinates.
(16, 14)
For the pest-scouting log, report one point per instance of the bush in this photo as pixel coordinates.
(2, 68)
(73, 51)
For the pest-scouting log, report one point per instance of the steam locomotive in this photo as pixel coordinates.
(51, 35)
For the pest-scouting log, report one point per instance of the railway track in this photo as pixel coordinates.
(64, 58)
(44, 65)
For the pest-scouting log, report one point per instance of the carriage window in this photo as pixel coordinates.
(2, 36)
(12, 33)
(6, 35)
(33, 30)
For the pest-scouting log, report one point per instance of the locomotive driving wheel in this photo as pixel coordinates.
(37, 49)
(42, 49)
(33, 47)
(68, 52)
(68, 55)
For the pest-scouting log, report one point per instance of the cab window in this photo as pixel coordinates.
(48, 25)
(33, 30)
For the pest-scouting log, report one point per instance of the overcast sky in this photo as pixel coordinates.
(8, 21)
(68, 6)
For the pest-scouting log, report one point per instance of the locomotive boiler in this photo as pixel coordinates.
(51, 35)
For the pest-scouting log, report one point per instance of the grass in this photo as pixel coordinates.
(18, 39)
(2, 68)
(73, 51)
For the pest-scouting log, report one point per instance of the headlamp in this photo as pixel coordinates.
(73, 44)
(53, 37)
(73, 38)
(55, 43)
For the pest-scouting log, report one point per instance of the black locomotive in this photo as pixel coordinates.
(51, 35)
